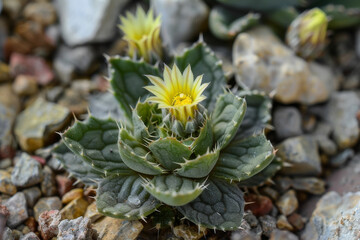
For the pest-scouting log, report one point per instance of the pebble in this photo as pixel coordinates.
(41, 12)
(4, 72)
(25, 85)
(31, 65)
(55, 164)
(76, 208)
(301, 156)
(17, 208)
(309, 184)
(92, 213)
(6, 186)
(46, 204)
(257, 204)
(48, 185)
(53, 94)
(251, 219)
(37, 124)
(181, 21)
(117, 229)
(272, 193)
(104, 104)
(287, 203)
(282, 235)
(268, 224)
(72, 195)
(341, 158)
(27, 172)
(297, 221)
(189, 232)
(283, 223)
(74, 101)
(64, 184)
(32, 195)
(326, 145)
(287, 122)
(49, 224)
(31, 224)
(30, 236)
(7, 234)
(5, 163)
(4, 215)
(79, 229)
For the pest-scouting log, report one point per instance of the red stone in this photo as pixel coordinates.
(7, 152)
(31, 65)
(259, 205)
(296, 221)
(64, 183)
(41, 160)
(31, 224)
(48, 224)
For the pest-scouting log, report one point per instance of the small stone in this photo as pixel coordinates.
(5, 163)
(41, 12)
(282, 223)
(297, 221)
(341, 158)
(72, 195)
(7, 234)
(4, 215)
(27, 172)
(48, 224)
(6, 186)
(93, 213)
(76, 208)
(104, 104)
(17, 209)
(25, 85)
(287, 203)
(74, 101)
(268, 224)
(301, 155)
(55, 164)
(37, 124)
(243, 235)
(31, 65)
(79, 229)
(46, 204)
(251, 219)
(257, 204)
(48, 185)
(117, 229)
(282, 235)
(64, 184)
(287, 122)
(4, 72)
(41, 160)
(283, 183)
(272, 193)
(53, 94)
(326, 145)
(32, 195)
(30, 236)
(189, 232)
(310, 184)
(31, 224)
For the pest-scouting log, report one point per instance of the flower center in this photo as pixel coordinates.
(181, 99)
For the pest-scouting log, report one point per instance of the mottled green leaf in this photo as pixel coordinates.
(204, 141)
(260, 5)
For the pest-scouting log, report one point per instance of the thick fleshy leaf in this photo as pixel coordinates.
(226, 118)
(261, 177)
(135, 156)
(258, 113)
(220, 206)
(244, 158)
(204, 141)
(169, 152)
(76, 166)
(95, 140)
(260, 5)
(125, 197)
(204, 61)
(174, 190)
(199, 167)
(128, 81)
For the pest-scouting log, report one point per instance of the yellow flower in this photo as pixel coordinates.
(179, 93)
(313, 26)
(142, 32)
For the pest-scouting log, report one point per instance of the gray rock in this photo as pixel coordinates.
(263, 62)
(103, 105)
(79, 229)
(36, 125)
(27, 171)
(49, 224)
(5, 163)
(48, 185)
(282, 235)
(335, 217)
(326, 145)
(53, 94)
(309, 184)
(17, 209)
(268, 224)
(4, 215)
(287, 203)
(55, 164)
(30, 236)
(181, 20)
(7, 234)
(341, 158)
(46, 204)
(251, 219)
(32, 195)
(357, 43)
(6, 186)
(84, 21)
(300, 155)
(287, 122)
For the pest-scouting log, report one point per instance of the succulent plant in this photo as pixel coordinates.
(182, 146)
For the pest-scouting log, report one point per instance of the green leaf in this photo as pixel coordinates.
(244, 158)
(135, 156)
(261, 177)
(125, 197)
(144, 116)
(283, 16)
(204, 141)
(174, 190)
(76, 166)
(260, 5)
(220, 206)
(199, 167)
(128, 81)
(95, 140)
(204, 61)
(169, 152)
(258, 113)
(226, 118)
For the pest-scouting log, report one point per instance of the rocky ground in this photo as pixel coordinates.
(52, 69)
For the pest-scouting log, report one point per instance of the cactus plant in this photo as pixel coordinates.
(180, 144)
